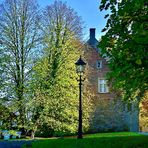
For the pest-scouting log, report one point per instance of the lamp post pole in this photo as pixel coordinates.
(80, 67)
(80, 109)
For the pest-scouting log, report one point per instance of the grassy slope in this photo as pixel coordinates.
(107, 140)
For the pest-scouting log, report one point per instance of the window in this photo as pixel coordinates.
(102, 86)
(99, 64)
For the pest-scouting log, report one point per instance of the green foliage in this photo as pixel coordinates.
(125, 44)
(19, 36)
(40, 93)
(13, 132)
(6, 117)
(55, 100)
(44, 131)
(143, 114)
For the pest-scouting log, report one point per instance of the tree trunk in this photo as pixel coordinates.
(32, 134)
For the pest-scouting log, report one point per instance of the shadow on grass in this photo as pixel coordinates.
(96, 142)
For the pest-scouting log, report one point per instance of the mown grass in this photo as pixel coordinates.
(106, 140)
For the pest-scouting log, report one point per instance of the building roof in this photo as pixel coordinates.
(93, 42)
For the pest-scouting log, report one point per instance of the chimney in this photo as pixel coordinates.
(92, 33)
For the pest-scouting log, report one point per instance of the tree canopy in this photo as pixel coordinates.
(38, 83)
(55, 73)
(18, 41)
(125, 44)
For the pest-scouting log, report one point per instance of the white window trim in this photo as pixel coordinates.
(100, 64)
(107, 88)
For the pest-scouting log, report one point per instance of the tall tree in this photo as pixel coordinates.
(125, 44)
(18, 43)
(55, 72)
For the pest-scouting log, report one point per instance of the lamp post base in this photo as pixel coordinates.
(80, 137)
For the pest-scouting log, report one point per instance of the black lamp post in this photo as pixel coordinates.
(80, 67)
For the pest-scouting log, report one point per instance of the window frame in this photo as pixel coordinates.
(104, 86)
(100, 64)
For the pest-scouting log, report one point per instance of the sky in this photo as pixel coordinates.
(88, 10)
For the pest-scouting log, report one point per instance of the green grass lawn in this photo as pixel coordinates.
(101, 140)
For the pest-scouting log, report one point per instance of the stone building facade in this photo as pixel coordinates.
(109, 112)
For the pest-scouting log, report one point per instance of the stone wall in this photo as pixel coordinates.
(131, 116)
(107, 116)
